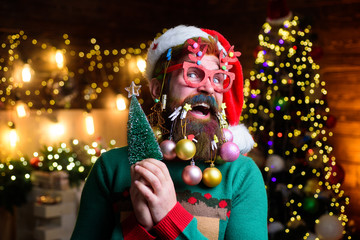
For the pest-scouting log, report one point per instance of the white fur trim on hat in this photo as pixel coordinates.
(171, 38)
(242, 138)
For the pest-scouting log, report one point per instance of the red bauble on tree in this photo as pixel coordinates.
(330, 121)
(336, 174)
(34, 162)
(316, 52)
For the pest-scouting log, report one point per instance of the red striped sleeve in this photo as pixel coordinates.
(173, 223)
(132, 230)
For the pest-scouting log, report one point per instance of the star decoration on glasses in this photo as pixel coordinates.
(133, 89)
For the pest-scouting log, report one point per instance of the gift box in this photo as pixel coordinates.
(58, 180)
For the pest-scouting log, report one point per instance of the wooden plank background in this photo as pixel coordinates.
(338, 29)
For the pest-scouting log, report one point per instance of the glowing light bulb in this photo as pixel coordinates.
(26, 73)
(120, 102)
(141, 64)
(89, 124)
(22, 110)
(13, 137)
(57, 129)
(59, 58)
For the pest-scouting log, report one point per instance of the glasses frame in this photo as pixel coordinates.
(208, 73)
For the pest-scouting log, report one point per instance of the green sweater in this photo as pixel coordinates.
(236, 209)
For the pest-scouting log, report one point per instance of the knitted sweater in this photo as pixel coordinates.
(235, 209)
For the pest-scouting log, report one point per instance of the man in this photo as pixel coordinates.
(198, 71)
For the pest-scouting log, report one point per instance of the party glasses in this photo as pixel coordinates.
(196, 76)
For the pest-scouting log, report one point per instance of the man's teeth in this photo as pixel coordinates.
(201, 109)
(202, 105)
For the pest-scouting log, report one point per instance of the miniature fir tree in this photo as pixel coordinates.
(141, 139)
(288, 116)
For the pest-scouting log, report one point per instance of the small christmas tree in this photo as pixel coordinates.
(141, 139)
(287, 113)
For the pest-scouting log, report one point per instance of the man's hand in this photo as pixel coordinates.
(140, 205)
(158, 188)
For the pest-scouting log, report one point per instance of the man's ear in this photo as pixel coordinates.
(155, 88)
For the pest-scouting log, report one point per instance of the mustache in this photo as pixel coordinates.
(201, 98)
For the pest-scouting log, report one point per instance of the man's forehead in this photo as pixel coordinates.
(210, 57)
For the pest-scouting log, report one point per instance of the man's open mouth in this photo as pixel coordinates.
(200, 110)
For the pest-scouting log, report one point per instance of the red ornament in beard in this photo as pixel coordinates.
(201, 121)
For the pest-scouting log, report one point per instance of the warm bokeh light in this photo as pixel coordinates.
(141, 64)
(57, 129)
(22, 110)
(13, 137)
(120, 102)
(26, 73)
(89, 124)
(59, 58)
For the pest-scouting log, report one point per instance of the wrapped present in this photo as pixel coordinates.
(58, 180)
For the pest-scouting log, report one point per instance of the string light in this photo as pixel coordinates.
(13, 137)
(26, 73)
(120, 102)
(57, 129)
(89, 123)
(96, 60)
(59, 58)
(22, 109)
(56, 78)
(141, 64)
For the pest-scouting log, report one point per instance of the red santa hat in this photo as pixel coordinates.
(233, 98)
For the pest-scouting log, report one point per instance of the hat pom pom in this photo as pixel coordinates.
(242, 138)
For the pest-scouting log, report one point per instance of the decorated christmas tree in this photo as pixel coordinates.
(287, 113)
(141, 139)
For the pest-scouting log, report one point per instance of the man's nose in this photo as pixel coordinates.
(207, 87)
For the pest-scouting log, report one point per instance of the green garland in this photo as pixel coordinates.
(75, 158)
(63, 158)
(15, 183)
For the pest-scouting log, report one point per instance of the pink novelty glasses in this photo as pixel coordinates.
(196, 76)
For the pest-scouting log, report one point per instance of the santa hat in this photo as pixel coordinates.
(233, 98)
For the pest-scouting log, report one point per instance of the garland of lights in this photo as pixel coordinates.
(34, 74)
(25, 58)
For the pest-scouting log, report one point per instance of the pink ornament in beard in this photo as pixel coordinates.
(192, 174)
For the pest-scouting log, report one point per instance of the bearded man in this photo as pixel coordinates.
(197, 77)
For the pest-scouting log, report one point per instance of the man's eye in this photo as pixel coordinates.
(192, 75)
(219, 78)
